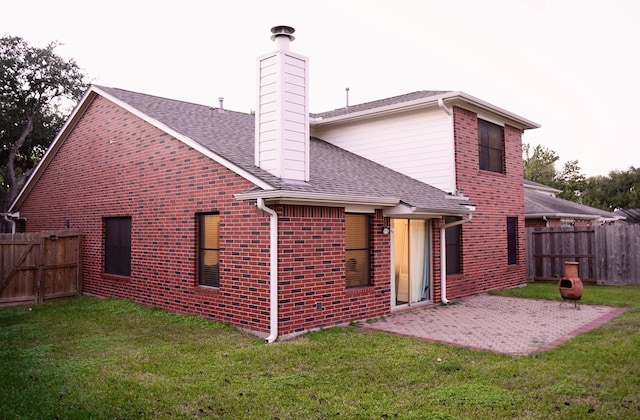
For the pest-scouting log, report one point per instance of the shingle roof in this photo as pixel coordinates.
(380, 103)
(536, 203)
(632, 215)
(333, 170)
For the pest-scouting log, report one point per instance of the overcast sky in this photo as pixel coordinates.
(572, 66)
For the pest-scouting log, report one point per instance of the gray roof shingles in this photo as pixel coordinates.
(536, 203)
(421, 94)
(333, 170)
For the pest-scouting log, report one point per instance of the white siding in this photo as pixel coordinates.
(418, 144)
(282, 117)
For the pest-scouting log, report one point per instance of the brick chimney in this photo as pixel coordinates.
(282, 115)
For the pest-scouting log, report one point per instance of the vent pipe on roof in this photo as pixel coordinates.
(282, 36)
(221, 108)
(347, 92)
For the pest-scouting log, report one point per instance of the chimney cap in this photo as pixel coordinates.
(282, 30)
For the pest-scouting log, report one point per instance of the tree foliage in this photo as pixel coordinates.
(37, 91)
(620, 189)
(539, 164)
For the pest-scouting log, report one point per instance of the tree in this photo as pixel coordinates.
(37, 91)
(619, 190)
(539, 164)
(571, 181)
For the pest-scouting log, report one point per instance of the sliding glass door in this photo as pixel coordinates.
(411, 261)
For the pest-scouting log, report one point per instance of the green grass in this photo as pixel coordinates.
(86, 358)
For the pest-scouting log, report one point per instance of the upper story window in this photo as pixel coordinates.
(491, 146)
(357, 249)
(117, 246)
(209, 249)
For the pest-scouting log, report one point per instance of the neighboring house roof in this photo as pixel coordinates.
(537, 204)
(631, 215)
(541, 187)
(227, 137)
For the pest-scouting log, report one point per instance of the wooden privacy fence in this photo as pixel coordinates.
(35, 267)
(608, 254)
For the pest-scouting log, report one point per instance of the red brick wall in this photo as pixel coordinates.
(115, 164)
(496, 196)
(312, 290)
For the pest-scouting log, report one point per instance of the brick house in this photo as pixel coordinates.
(286, 221)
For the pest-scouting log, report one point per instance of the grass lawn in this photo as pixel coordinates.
(87, 358)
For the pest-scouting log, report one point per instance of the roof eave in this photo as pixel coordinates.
(305, 198)
(448, 98)
(568, 216)
(187, 140)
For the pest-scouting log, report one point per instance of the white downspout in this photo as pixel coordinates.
(13, 222)
(273, 270)
(443, 106)
(443, 257)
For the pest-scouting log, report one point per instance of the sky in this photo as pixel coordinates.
(572, 66)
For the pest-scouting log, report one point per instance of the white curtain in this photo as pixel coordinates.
(417, 230)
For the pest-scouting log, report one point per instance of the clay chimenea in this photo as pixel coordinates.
(570, 285)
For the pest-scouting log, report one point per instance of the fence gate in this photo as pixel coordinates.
(35, 267)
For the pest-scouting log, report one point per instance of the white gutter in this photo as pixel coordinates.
(300, 197)
(443, 257)
(273, 270)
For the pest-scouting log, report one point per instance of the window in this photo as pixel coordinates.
(357, 249)
(209, 249)
(117, 246)
(491, 146)
(512, 240)
(453, 235)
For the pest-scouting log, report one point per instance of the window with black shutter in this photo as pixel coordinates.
(512, 240)
(491, 146)
(117, 246)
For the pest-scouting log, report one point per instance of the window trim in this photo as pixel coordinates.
(117, 253)
(366, 265)
(485, 148)
(201, 279)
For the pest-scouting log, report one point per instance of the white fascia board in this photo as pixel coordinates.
(406, 211)
(520, 122)
(449, 98)
(305, 198)
(186, 140)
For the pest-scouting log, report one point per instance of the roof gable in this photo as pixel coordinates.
(227, 137)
